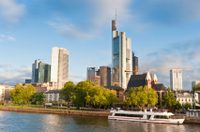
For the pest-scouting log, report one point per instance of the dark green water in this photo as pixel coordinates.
(30, 122)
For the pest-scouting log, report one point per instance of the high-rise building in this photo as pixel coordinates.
(93, 75)
(28, 80)
(195, 83)
(135, 64)
(105, 74)
(35, 71)
(121, 57)
(44, 72)
(176, 79)
(59, 66)
(92, 71)
(41, 72)
(96, 79)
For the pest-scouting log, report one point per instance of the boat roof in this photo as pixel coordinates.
(141, 112)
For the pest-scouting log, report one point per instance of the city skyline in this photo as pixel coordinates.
(163, 34)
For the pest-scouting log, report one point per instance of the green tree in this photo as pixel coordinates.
(140, 96)
(93, 94)
(178, 105)
(22, 94)
(39, 97)
(196, 87)
(187, 105)
(169, 100)
(16, 94)
(81, 92)
(66, 93)
(111, 96)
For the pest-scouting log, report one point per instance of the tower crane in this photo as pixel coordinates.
(162, 68)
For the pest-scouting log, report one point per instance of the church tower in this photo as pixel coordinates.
(155, 79)
(148, 80)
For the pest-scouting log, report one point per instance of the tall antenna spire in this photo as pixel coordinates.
(115, 14)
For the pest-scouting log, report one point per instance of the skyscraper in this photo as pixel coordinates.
(135, 64)
(105, 74)
(44, 72)
(41, 72)
(59, 66)
(121, 57)
(92, 75)
(35, 71)
(176, 79)
(91, 71)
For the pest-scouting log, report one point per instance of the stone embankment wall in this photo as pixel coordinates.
(56, 111)
(192, 120)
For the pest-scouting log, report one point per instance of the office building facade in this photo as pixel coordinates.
(135, 64)
(41, 72)
(44, 72)
(35, 71)
(105, 74)
(28, 80)
(92, 71)
(59, 66)
(176, 79)
(121, 57)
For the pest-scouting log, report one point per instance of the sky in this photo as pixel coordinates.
(163, 34)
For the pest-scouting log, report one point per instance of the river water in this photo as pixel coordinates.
(31, 122)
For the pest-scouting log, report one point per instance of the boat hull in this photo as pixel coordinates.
(167, 121)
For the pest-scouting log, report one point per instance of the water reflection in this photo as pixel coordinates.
(15, 121)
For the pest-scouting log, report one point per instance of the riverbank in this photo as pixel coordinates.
(57, 111)
(81, 112)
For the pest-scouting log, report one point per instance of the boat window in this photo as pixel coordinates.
(128, 115)
(162, 117)
(148, 116)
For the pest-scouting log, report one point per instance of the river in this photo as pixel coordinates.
(31, 122)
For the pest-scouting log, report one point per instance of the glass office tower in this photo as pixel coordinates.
(121, 57)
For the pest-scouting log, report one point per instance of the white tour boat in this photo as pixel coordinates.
(144, 116)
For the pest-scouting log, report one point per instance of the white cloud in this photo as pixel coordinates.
(10, 75)
(10, 38)
(69, 30)
(3, 36)
(11, 11)
(179, 55)
(103, 11)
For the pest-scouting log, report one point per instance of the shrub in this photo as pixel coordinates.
(1, 103)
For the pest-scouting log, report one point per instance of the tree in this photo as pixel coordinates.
(66, 93)
(22, 94)
(111, 96)
(169, 100)
(39, 97)
(16, 94)
(196, 87)
(93, 94)
(80, 93)
(187, 105)
(140, 96)
(178, 105)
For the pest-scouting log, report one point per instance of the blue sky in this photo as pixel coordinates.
(164, 34)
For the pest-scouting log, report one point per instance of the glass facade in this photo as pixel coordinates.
(115, 75)
(44, 72)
